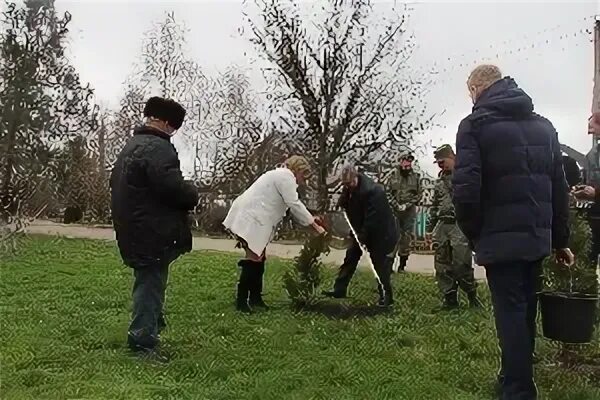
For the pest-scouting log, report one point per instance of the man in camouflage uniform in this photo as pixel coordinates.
(404, 195)
(453, 257)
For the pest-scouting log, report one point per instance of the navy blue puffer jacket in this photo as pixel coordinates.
(510, 191)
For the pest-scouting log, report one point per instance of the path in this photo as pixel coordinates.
(419, 263)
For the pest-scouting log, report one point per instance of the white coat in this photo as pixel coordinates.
(255, 214)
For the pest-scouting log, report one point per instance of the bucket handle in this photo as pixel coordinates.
(597, 274)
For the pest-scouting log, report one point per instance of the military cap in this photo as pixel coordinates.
(443, 151)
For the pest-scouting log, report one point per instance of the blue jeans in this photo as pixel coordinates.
(514, 286)
(147, 319)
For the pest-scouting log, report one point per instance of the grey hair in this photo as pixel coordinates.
(348, 171)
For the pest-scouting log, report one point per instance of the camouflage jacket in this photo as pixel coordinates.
(404, 190)
(442, 208)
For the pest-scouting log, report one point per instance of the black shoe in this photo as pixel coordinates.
(149, 354)
(450, 301)
(473, 300)
(243, 287)
(386, 298)
(403, 263)
(498, 386)
(386, 301)
(162, 323)
(334, 294)
(255, 299)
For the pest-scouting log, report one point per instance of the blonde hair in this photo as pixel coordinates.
(298, 164)
(484, 76)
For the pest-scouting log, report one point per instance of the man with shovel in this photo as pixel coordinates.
(374, 229)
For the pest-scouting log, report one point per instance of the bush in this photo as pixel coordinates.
(581, 277)
(303, 280)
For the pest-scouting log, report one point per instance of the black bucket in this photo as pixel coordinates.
(568, 317)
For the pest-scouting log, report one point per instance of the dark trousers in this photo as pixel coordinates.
(595, 247)
(514, 288)
(147, 318)
(382, 263)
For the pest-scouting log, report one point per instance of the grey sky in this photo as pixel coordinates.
(106, 39)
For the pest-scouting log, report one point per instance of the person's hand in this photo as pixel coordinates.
(402, 207)
(319, 220)
(320, 230)
(565, 257)
(584, 193)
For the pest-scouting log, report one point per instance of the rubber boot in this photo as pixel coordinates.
(255, 299)
(243, 287)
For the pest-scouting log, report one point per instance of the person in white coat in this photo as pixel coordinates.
(254, 216)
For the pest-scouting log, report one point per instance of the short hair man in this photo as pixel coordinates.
(453, 257)
(150, 202)
(404, 194)
(511, 201)
(373, 221)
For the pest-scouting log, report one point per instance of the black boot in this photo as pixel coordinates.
(450, 301)
(384, 284)
(403, 262)
(386, 297)
(335, 294)
(473, 300)
(243, 286)
(255, 299)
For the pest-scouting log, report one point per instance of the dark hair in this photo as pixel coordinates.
(572, 172)
(165, 110)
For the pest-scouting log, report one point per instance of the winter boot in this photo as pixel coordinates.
(243, 286)
(450, 301)
(255, 299)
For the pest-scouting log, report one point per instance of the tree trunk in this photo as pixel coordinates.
(7, 200)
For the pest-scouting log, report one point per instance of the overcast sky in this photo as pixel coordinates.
(543, 45)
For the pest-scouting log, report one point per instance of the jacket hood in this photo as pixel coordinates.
(146, 130)
(506, 98)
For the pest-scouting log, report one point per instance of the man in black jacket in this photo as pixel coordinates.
(150, 202)
(374, 225)
(511, 201)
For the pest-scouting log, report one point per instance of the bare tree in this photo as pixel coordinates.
(232, 133)
(344, 77)
(166, 70)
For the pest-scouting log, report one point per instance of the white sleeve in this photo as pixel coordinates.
(288, 189)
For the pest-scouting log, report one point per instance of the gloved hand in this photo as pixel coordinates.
(320, 220)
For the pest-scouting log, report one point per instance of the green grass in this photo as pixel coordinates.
(65, 309)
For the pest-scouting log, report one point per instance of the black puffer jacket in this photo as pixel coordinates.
(510, 192)
(150, 201)
(370, 215)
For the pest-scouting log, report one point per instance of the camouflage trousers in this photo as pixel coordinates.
(406, 228)
(453, 260)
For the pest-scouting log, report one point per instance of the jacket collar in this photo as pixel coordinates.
(147, 130)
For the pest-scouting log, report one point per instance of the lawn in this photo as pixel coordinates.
(65, 308)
